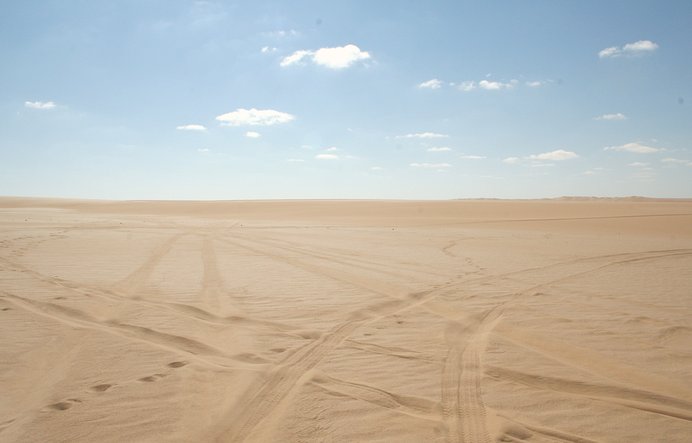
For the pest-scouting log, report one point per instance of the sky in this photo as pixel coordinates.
(154, 99)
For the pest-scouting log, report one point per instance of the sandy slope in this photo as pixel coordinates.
(470, 321)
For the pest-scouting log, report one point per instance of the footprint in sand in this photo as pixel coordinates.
(64, 405)
(101, 388)
(151, 378)
(177, 364)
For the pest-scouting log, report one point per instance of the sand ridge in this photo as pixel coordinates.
(471, 321)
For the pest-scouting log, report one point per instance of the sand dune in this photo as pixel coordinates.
(457, 321)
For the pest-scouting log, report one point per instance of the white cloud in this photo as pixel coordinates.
(612, 117)
(203, 150)
(339, 57)
(535, 84)
(630, 49)
(191, 128)
(676, 161)
(431, 84)
(472, 157)
(439, 149)
(254, 117)
(557, 155)
(431, 165)
(467, 86)
(295, 58)
(332, 149)
(589, 172)
(637, 148)
(253, 134)
(327, 157)
(496, 86)
(377, 168)
(267, 49)
(423, 135)
(511, 160)
(281, 33)
(488, 85)
(39, 105)
(638, 165)
(295, 160)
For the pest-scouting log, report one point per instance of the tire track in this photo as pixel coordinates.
(212, 282)
(131, 284)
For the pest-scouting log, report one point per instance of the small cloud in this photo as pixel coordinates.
(535, 84)
(430, 165)
(472, 157)
(339, 57)
(511, 160)
(254, 117)
(295, 160)
(467, 86)
(332, 149)
(431, 84)
(640, 47)
(423, 135)
(294, 58)
(191, 128)
(676, 161)
(557, 155)
(327, 157)
(281, 33)
(439, 149)
(377, 168)
(589, 172)
(637, 148)
(267, 49)
(203, 150)
(496, 86)
(487, 85)
(253, 134)
(638, 164)
(39, 105)
(611, 117)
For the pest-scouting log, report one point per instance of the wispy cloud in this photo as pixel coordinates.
(472, 157)
(193, 127)
(637, 148)
(557, 155)
(430, 165)
(487, 85)
(640, 47)
(376, 168)
(439, 149)
(254, 117)
(431, 84)
(676, 161)
(339, 57)
(638, 164)
(511, 160)
(611, 117)
(332, 149)
(327, 157)
(267, 49)
(282, 33)
(253, 134)
(203, 150)
(423, 135)
(535, 84)
(39, 105)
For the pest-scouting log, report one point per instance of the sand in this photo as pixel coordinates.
(319, 321)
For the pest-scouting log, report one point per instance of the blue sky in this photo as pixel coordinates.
(413, 100)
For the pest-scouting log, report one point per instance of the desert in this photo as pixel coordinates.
(323, 320)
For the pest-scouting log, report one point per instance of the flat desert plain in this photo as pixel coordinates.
(319, 321)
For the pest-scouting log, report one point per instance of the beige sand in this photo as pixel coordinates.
(322, 321)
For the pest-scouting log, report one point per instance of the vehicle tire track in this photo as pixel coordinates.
(131, 284)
